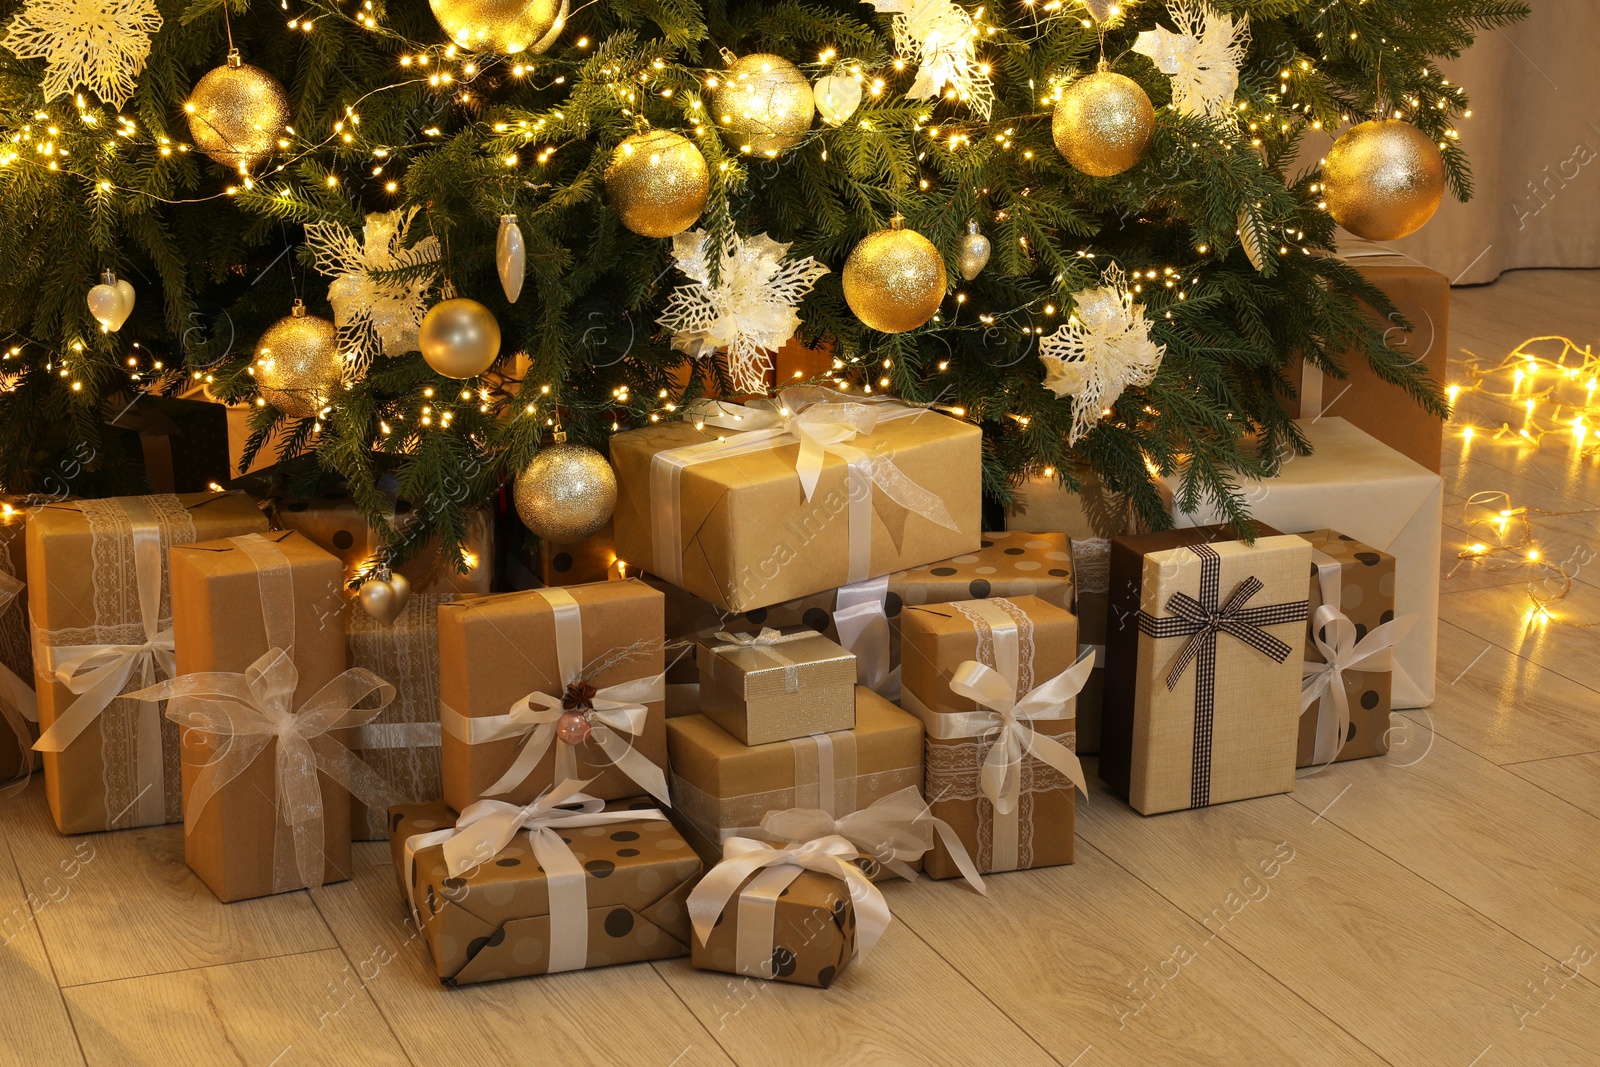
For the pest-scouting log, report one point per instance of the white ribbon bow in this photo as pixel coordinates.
(1011, 720)
(249, 711)
(742, 857)
(1334, 634)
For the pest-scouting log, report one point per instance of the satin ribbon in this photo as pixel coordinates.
(861, 616)
(1334, 635)
(764, 643)
(248, 712)
(99, 673)
(773, 869)
(18, 705)
(823, 426)
(486, 827)
(896, 830)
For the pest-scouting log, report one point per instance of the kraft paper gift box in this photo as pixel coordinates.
(512, 666)
(1363, 488)
(1369, 403)
(1203, 664)
(507, 892)
(722, 788)
(333, 522)
(755, 517)
(241, 777)
(101, 614)
(19, 710)
(994, 682)
(795, 913)
(1042, 504)
(1091, 571)
(1344, 689)
(402, 743)
(594, 559)
(774, 685)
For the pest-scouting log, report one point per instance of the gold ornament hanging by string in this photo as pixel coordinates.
(894, 279)
(298, 366)
(657, 183)
(1383, 180)
(237, 113)
(504, 26)
(1103, 123)
(565, 493)
(460, 338)
(972, 255)
(763, 105)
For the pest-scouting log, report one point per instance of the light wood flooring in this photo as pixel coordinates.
(1438, 906)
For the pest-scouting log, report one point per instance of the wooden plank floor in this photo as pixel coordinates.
(1437, 906)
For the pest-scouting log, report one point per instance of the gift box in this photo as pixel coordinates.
(333, 522)
(794, 913)
(101, 613)
(1202, 692)
(1366, 401)
(722, 788)
(184, 442)
(805, 495)
(527, 563)
(1362, 487)
(1345, 691)
(402, 744)
(506, 892)
(1091, 571)
(1043, 504)
(994, 683)
(774, 685)
(244, 776)
(19, 709)
(580, 670)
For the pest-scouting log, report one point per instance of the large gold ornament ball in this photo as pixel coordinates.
(459, 338)
(298, 366)
(1103, 124)
(237, 113)
(566, 493)
(658, 183)
(894, 280)
(505, 26)
(1383, 180)
(764, 103)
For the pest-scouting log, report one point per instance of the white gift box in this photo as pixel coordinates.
(1365, 489)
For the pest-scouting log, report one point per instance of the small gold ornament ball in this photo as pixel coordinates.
(459, 338)
(764, 102)
(1383, 180)
(565, 493)
(894, 279)
(1103, 124)
(658, 183)
(505, 26)
(298, 365)
(237, 113)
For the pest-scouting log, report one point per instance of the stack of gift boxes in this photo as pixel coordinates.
(825, 676)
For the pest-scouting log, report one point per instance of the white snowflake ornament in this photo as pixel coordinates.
(100, 45)
(1103, 349)
(750, 311)
(940, 37)
(1203, 57)
(374, 315)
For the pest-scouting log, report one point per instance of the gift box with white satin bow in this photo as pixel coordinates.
(774, 685)
(502, 891)
(546, 685)
(995, 683)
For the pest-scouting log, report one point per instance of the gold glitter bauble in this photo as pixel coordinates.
(298, 366)
(459, 338)
(894, 279)
(565, 493)
(1383, 180)
(237, 113)
(1103, 124)
(505, 26)
(658, 183)
(763, 102)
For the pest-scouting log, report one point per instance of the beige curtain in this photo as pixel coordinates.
(1534, 145)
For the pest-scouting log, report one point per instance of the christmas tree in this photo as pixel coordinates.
(1108, 250)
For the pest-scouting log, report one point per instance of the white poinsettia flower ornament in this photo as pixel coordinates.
(940, 37)
(375, 316)
(750, 311)
(100, 45)
(1203, 57)
(1103, 349)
